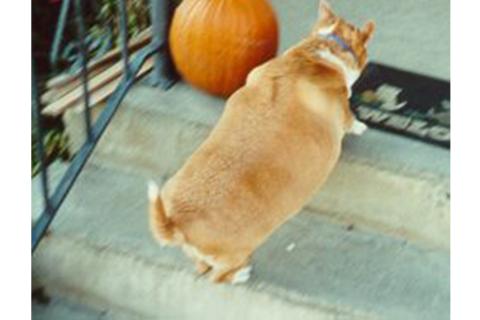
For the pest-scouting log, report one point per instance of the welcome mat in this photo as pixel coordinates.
(406, 103)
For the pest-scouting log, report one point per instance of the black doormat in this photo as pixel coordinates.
(405, 103)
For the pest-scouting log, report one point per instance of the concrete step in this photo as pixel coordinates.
(383, 182)
(100, 252)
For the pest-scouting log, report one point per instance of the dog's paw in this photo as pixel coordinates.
(358, 128)
(242, 275)
(153, 190)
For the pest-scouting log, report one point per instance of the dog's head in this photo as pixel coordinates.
(346, 39)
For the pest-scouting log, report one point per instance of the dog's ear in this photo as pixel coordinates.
(367, 31)
(325, 12)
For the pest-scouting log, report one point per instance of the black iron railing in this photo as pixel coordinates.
(162, 75)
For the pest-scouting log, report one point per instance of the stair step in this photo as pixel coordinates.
(100, 249)
(383, 182)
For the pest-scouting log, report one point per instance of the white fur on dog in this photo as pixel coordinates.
(327, 30)
(242, 275)
(358, 127)
(153, 190)
(351, 75)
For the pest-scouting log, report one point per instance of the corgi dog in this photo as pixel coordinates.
(275, 145)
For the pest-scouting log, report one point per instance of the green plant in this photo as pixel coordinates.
(108, 18)
(55, 145)
(104, 30)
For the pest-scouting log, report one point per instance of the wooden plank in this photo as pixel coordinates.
(76, 95)
(99, 94)
(56, 93)
(139, 41)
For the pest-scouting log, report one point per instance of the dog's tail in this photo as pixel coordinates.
(160, 225)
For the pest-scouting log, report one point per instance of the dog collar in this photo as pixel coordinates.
(340, 42)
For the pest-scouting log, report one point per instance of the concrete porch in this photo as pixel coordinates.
(373, 244)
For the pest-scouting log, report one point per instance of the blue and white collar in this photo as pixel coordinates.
(340, 42)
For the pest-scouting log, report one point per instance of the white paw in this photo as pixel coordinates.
(358, 128)
(242, 275)
(153, 190)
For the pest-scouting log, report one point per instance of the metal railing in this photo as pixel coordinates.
(161, 75)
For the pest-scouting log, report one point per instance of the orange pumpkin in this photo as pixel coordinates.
(215, 43)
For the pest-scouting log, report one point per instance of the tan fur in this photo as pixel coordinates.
(274, 146)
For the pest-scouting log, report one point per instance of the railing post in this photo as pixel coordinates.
(57, 40)
(163, 73)
(83, 58)
(122, 9)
